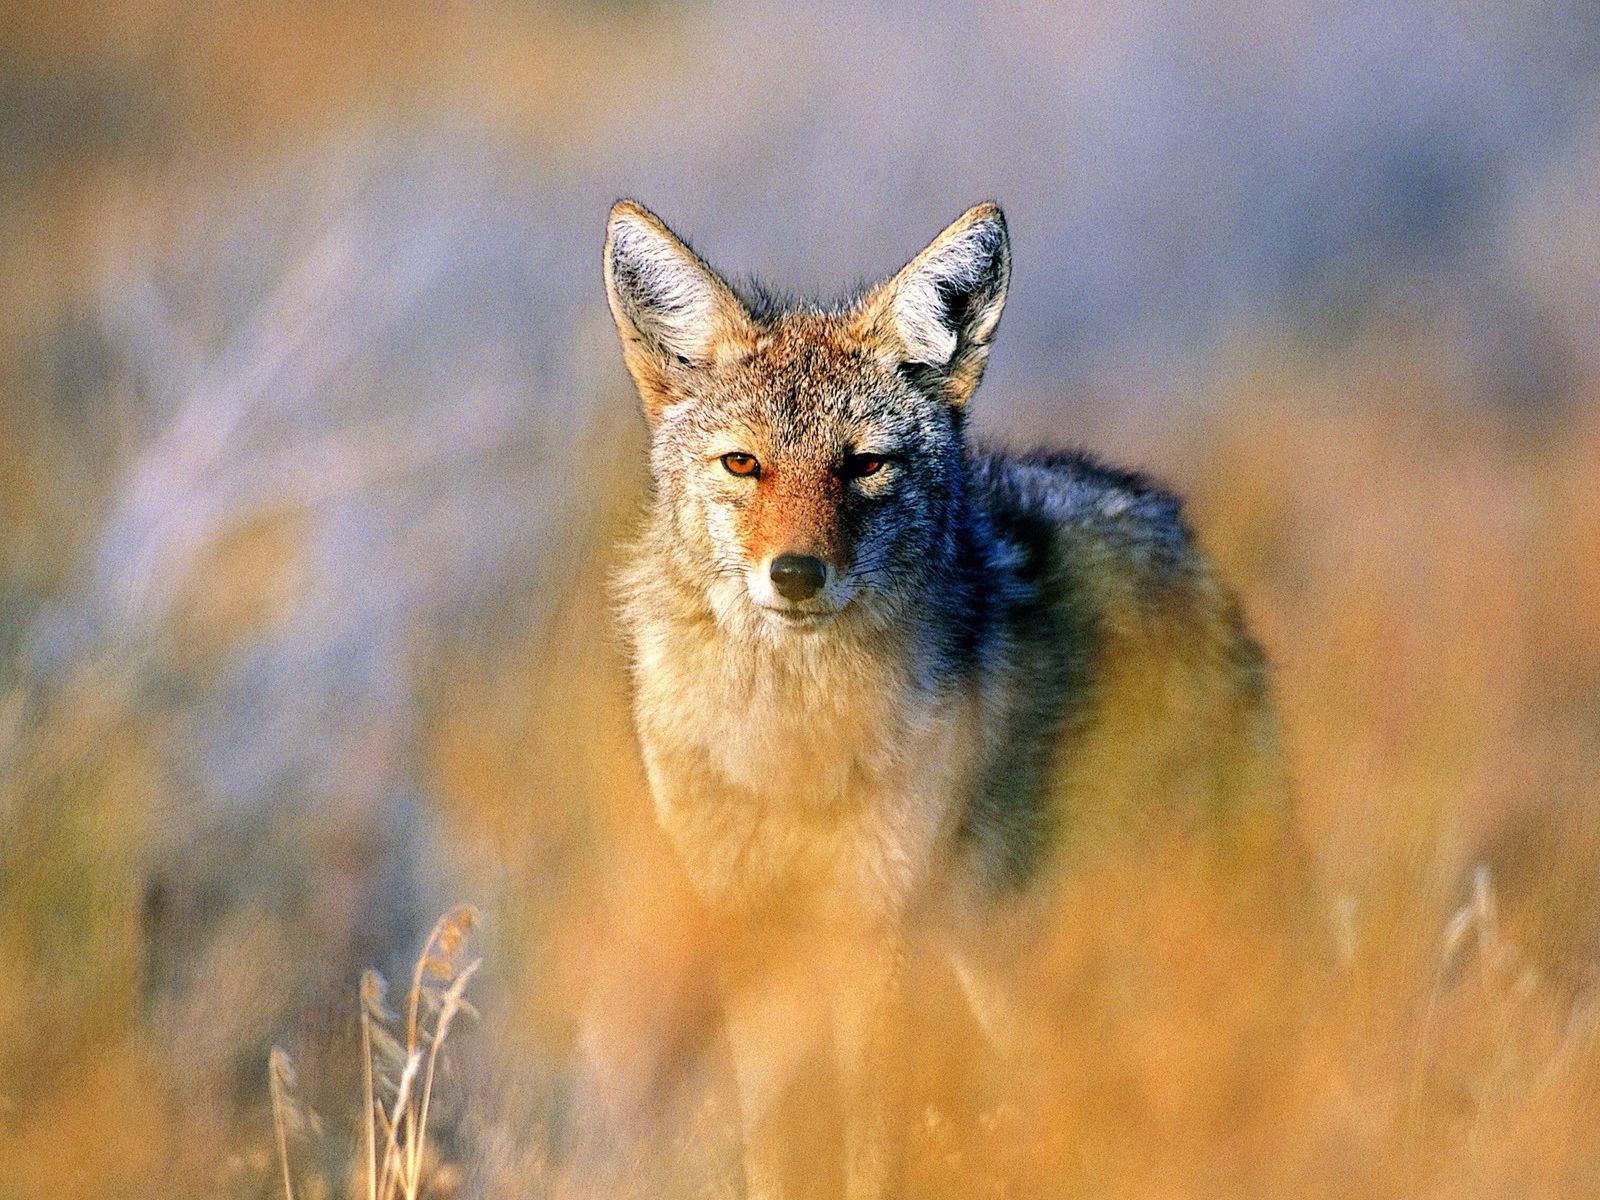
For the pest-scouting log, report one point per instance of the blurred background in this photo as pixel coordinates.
(315, 440)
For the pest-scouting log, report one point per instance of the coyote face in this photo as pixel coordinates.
(809, 459)
(808, 475)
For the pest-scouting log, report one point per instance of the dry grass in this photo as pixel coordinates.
(399, 1066)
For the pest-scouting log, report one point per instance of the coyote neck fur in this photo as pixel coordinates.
(821, 762)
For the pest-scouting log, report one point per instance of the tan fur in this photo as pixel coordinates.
(724, 330)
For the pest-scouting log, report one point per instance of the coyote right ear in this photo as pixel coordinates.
(672, 311)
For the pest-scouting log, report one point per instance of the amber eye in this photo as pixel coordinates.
(738, 463)
(858, 466)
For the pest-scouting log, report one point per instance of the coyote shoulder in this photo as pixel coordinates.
(880, 671)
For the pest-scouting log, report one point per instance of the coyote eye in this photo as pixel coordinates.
(858, 466)
(739, 463)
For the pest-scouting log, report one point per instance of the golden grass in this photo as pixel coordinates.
(399, 1066)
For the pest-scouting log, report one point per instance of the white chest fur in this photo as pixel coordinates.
(802, 764)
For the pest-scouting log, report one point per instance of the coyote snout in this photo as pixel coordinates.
(798, 576)
(786, 520)
(797, 590)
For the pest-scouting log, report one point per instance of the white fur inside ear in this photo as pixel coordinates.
(666, 293)
(970, 264)
(919, 320)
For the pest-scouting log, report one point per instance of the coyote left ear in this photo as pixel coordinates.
(941, 310)
(673, 312)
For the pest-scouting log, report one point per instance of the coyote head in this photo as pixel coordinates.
(806, 461)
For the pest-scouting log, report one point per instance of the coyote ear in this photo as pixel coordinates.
(941, 310)
(672, 311)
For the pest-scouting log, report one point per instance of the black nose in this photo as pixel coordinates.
(798, 576)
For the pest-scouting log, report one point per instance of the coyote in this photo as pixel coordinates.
(884, 676)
